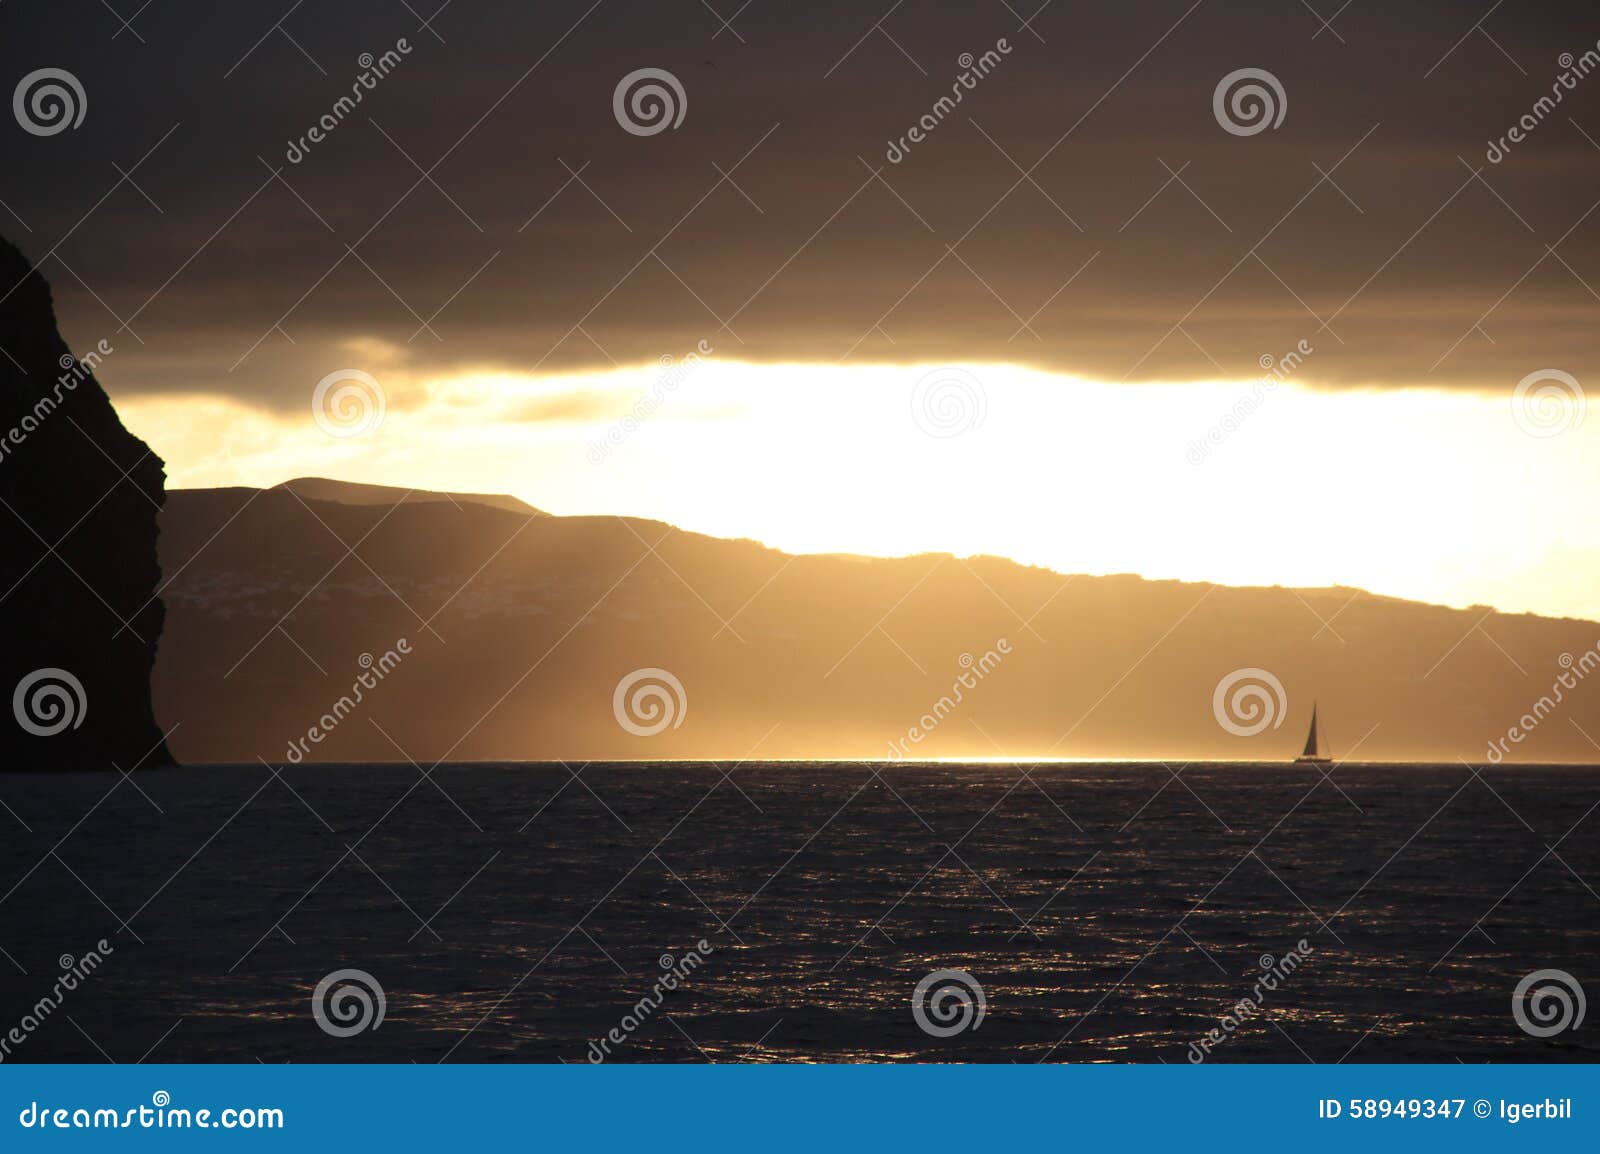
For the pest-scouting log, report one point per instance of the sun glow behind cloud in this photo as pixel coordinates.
(1435, 495)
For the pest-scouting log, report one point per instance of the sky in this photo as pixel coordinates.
(1038, 331)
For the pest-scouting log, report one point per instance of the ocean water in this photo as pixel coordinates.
(522, 912)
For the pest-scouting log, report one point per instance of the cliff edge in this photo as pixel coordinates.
(80, 614)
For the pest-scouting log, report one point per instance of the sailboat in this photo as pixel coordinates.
(1313, 751)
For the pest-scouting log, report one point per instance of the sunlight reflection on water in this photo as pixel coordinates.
(1109, 912)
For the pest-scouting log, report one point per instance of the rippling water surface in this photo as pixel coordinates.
(519, 912)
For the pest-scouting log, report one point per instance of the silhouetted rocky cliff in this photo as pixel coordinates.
(79, 496)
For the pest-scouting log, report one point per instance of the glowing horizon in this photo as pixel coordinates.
(1417, 492)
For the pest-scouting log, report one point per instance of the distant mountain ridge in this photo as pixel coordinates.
(520, 627)
(359, 493)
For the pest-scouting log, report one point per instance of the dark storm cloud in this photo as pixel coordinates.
(1147, 242)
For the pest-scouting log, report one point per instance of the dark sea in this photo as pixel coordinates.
(1096, 913)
